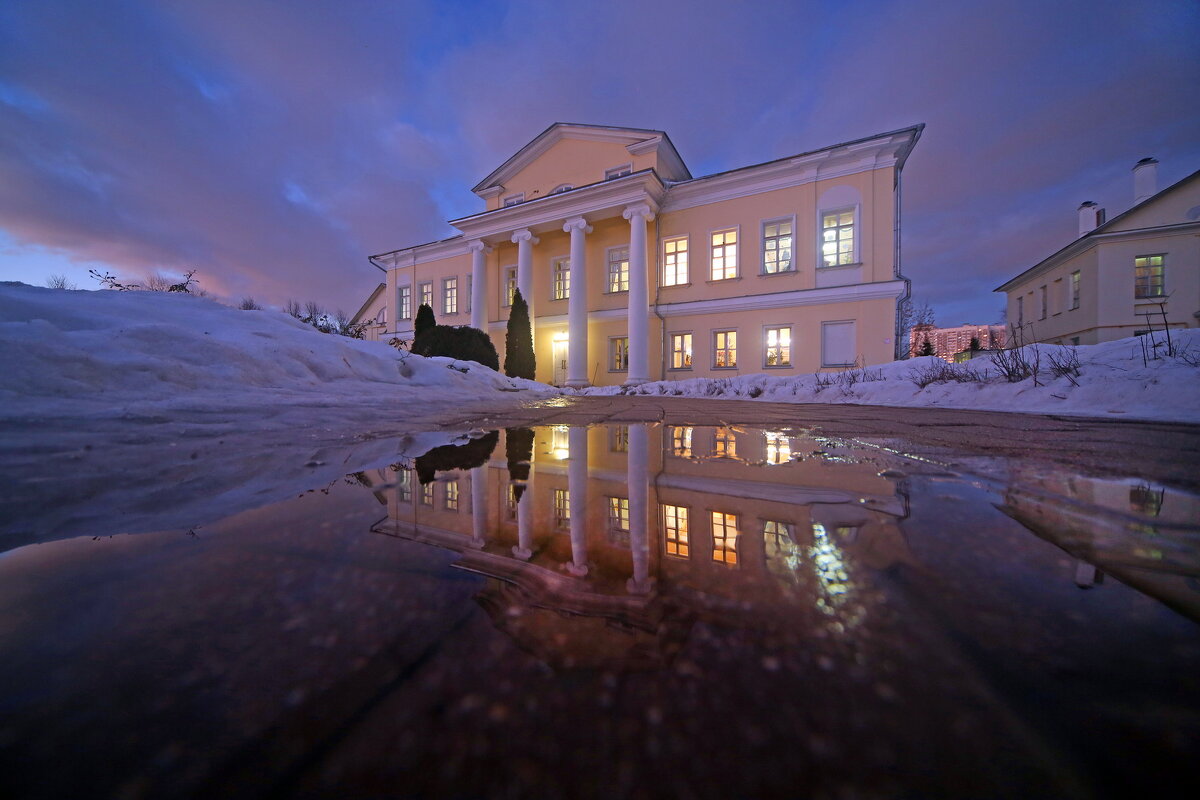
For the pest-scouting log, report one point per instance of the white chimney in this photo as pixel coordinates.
(1091, 216)
(1145, 179)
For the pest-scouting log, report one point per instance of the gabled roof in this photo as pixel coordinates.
(358, 314)
(599, 133)
(1095, 232)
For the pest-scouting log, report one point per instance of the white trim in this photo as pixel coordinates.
(513, 199)
(884, 290)
(619, 168)
(762, 245)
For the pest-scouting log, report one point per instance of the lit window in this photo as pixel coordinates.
(675, 261)
(452, 496)
(404, 485)
(724, 254)
(1148, 280)
(427, 294)
(725, 443)
(681, 351)
(779, 347)
(562, 279)
(779, 548)
(510, 502)
(725, 533)
(427, 495)
(513, 199)
(405, 302)
(470, 291)
(618, 354)
(675, 529)
(618, 269)
(837, 238)
(681, 441)
(562, 187)
(1146, 499)
(450, 296)
(562, 508)
(1042, 302)
(618, 439)
(618, 172)
(779, 448)
(618, 520)
(725, 349)
(510, 285)
(777, 246)
(1075, 289)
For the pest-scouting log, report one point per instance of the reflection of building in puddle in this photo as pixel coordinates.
(1143, 534)
(631, 525)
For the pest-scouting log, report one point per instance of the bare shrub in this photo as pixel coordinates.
(249, 304)
(60, 282)
(822, 381)
(1065, 364)
(292, 309)
(942, 372)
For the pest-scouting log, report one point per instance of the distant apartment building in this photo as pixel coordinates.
(1121, 277)
(634, 270)
(947, 342)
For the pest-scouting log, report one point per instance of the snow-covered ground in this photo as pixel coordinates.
(1112, 381)
(105, 354)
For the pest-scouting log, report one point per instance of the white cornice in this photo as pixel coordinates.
(800, 297)
(424, 253)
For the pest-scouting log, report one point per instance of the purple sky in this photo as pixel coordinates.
(273, 146)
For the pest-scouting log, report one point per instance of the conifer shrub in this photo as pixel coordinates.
(424, 320)
(518, 342)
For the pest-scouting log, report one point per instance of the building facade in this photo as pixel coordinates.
(948, 342)
(635, 271)
(1136, 272)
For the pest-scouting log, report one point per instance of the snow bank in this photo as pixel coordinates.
(74, 354)
(1112, 381)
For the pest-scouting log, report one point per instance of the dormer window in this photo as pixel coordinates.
(562, 187)
(618, 172)
(513, 199)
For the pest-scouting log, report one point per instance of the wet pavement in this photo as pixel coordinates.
(612, 598)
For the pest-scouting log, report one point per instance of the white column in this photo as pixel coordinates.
(524, 546)
(639, 501)
(525, 240)
(577, 479)
(479, 252)
(577, 312)
(639, 296)
(479, 510)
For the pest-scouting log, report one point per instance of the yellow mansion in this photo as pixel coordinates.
(635, 271)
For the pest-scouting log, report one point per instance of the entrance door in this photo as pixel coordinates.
(560, 363)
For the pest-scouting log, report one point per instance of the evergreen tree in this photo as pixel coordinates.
(974, 345)
(518, 342)
(926, 348)
(424, 320)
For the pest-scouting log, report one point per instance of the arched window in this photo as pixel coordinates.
(562, 187)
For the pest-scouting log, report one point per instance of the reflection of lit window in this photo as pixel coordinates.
(452, 496)
(725, 445)
(562, 508)
(404, 485)
(779, 448)
(681, 351)
(724, 533)
(618, 439)
(1146, 500)
(618, 520)
(559, 443)
(681, 442)
(830, 569)
(427, 495)
(782, 553)
(675, 527)
(510, 502)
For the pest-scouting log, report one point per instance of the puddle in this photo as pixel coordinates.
(617, 610)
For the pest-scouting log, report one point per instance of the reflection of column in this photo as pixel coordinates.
(577, 473)
(525, 240)
(639, 296)
(479, 252)
(524, 548)
(479, 506)
(577, 313)
(639, 500)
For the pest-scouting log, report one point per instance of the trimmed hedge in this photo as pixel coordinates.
(457, 341)
(474, 453)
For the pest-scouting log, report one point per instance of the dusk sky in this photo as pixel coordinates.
(274, 146)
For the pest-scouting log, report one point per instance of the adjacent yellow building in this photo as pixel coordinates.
(635, 271)
(1124, 276)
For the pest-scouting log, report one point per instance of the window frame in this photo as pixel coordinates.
(404, 297)
(687, 250)
(728, 551)
(690, 354)
(621, 170)
(511, 200)
(608, 273)
(1043, 301)
(508, 274)
(762, 245)
(1161, 282)
(680, 441)
(856, 235)
(451, 496)
(716, 348)
(681, 541)
(561, 508)
(766, 329)
(853, 322)
(421, 287)
(612, 353)
(450, 296)
(1075, 282)
(737, 255)
(560, 267)
(562, 187)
